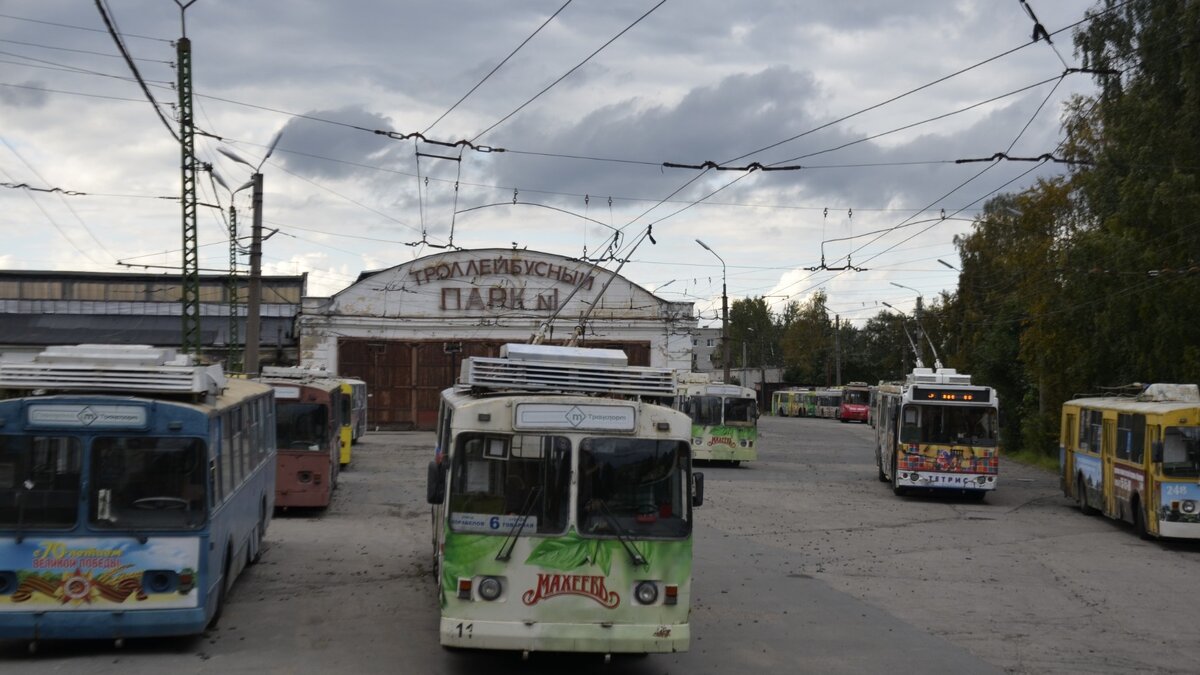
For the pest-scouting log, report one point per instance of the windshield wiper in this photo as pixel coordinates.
(514, 533)
(622, 535)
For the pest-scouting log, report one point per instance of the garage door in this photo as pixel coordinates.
(405, 378)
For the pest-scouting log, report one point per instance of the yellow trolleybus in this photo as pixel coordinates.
(1137, 458)
(562, 505)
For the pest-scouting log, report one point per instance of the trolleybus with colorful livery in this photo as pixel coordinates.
(787, 402)
(936, 430)
(829, 402)
(308, 408)
(134, 488)
(562, 505)
(1136, 458)
(724, 420)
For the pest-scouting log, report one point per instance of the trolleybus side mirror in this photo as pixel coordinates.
(435, 486)
(697, 489)
(1156, 452)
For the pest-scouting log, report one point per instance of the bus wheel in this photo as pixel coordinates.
(262, 532)
(879, 466)
(222, 591)
(1081, 493)
(897, 489)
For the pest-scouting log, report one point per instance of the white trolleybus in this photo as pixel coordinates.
(562, 505)
(937, 430)
(134, 487)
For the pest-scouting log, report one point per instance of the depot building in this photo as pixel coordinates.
(405, 329)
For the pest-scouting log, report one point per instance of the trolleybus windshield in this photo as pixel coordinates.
(39, 481)
(856, 396)
(146, 482)
(301, 426)
(633, 486)
(740, 410)
(950, 424)
(522, 476)
(1181, 452)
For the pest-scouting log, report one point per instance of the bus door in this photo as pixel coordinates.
(1107, 447)
(1066, 453)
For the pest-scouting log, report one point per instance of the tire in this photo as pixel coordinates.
(976, 495)
(1081, 493)
(897, 489)
(879, 466)
(222, 592)
(262, 532)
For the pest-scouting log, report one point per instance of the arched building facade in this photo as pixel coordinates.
(405, 329)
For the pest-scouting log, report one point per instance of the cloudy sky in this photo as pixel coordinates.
(873, 99)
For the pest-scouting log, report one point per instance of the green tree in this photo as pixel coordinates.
(808, 343)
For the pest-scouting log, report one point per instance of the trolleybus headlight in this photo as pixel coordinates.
(646, 592)
(914, 476)
(489, 588)
(981, 479)
(1188, 506)
(304, 476)
(159, 581)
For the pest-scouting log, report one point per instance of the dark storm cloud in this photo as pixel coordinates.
(26, 95)
(739, 114)
(306, 142)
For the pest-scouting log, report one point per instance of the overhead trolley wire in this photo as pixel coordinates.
(572, 70)
(498, 66)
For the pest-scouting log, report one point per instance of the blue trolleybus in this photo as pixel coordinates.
(134, 488)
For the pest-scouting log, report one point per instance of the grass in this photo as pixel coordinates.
(1037, 459)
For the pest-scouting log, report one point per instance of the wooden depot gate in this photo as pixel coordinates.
(406, 378)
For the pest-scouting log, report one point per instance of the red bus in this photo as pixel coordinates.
(307, 430)
(856, 402)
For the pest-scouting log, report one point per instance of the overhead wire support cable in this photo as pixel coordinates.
(752, 166)
(572, 70)
(1044, 157)
(920, 88)
(112, 30)
(498, 66)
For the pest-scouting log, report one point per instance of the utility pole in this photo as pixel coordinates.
(920, 330)
(253, 303)
(837, 349)
(190, 296)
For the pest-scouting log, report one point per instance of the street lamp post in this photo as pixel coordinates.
(724, 313)
(254, 301)
(917, 312)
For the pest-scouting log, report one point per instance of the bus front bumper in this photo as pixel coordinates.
(102, 625)
(951, 481)
(565, 637)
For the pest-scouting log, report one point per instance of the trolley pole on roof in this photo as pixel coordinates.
(190, 295)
